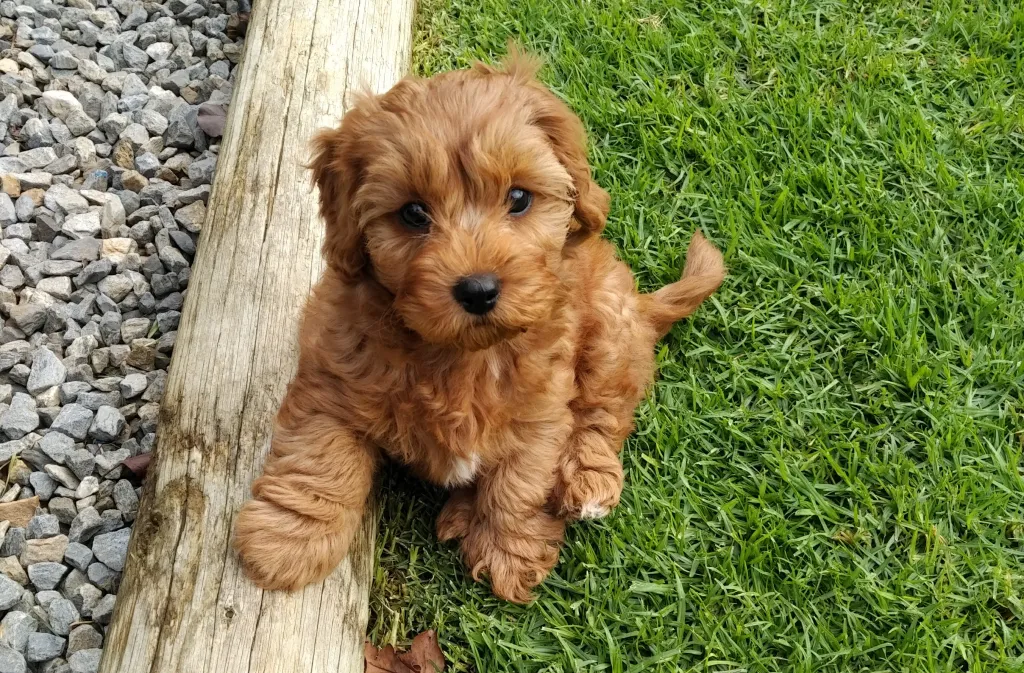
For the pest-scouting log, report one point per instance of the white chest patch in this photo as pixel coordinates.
(463, 471)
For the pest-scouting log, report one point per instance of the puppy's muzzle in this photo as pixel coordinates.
(477, 294)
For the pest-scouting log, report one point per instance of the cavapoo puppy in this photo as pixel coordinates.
(471, 324)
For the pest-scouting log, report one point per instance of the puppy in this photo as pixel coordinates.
(471, 324)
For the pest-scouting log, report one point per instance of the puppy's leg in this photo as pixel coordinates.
(589, 472)
(511, 537)
(456, 515)
(309, 502)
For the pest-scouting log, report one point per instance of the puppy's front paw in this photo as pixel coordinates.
(514, 562)
(453, 521)
(589, 492)
(283, 550)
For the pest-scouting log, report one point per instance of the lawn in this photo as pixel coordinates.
(828, 474)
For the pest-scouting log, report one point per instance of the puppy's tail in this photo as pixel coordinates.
(703, 273)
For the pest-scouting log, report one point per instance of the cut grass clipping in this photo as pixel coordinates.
(827, 475)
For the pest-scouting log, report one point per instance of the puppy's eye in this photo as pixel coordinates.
(414, 215)
(519, 201)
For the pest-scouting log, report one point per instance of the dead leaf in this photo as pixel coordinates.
(424, 656)
(138, 465)
(211, 119)
(237, 26)
(384, 660)
(19, 512)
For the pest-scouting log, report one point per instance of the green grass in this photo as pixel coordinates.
(827, 475)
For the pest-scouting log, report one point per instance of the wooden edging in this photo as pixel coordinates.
(184, 605)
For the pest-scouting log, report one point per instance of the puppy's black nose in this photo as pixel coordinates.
(478, 294)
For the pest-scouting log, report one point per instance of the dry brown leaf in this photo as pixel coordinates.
(138, 465)
(384, 660)
(424, 656)
(211, 119)
(19, 512)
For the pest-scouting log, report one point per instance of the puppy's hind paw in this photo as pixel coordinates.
(453, 521)
(514, 563)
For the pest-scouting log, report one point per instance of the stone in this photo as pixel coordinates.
(86, 524)
(94, 272)
(8, 213)
(94, 400)
(43, 647)
(11, 661)
(62, 476)
(133, 385)
(112, 548)
(62, 613)
(15, 629)
(57, 445)
(74, 421)
(28, 317)
(78, 555)
(42, 526)
(43, 485)
(10, 567)
(116, 287)
(14, 542)
(58, 287)
(42, 550)
(104, 609)
(126, 500)
(84, 637)
(81, 462)
(62, 198)
(38, 158)
(20, 418)
(83, 225)
(47, 371)
(61, 103)
(10, 592)
(86, 661)
(84, 250)
(89, 486)
(46, 575)
(64, 509)
(103, 577)
(134, 181)
(19, 513)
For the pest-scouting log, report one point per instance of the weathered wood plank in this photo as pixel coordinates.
(184, 604)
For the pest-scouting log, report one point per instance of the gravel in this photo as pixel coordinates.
(44, 646)
(104, 181)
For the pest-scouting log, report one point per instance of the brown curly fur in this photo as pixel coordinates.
(526, 408)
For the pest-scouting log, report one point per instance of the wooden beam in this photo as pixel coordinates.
(184, 605)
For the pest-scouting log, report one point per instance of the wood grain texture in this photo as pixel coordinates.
(184, 605)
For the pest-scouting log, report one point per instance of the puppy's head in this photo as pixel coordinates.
(457, 193)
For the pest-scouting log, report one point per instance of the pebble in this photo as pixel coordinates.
(10, 593)
(83, 637)
(11, 661)
(62, 613)
(15, 629)
(43, 647)
(46, 575)
(85, 661)
(50, 549)
(47, 371)
(85, 525)
(112, 548)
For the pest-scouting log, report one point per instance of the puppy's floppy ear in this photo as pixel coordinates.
(569, 141)
(565, 133)
(337, 171)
